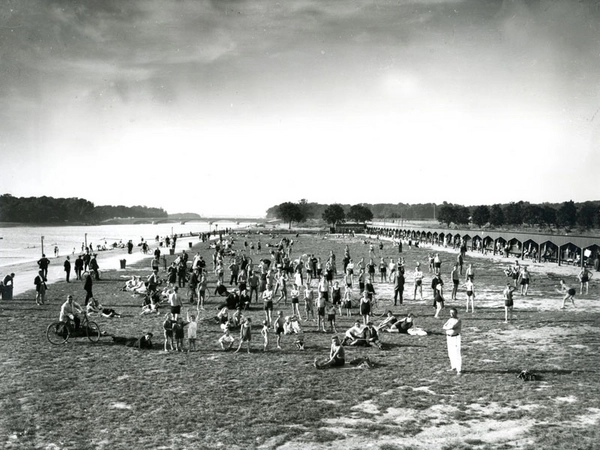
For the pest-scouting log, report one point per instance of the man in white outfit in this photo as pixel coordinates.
(453, 327)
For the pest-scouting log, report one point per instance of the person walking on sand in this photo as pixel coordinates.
(569, 293)
(453, 328)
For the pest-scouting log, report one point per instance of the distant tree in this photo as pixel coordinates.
(447, 213)
(481, 215)
(587, 215)
(497, 215)
(566, 216)
(548, 215)
(360, 213)
(334, 214)
(532, 214)
(513, 214)
(306, 209)
(462, 215)
(289, 212)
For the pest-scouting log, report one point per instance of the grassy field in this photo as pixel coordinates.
(83, 395)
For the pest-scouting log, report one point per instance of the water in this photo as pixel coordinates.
(21, 247)
(24, 244)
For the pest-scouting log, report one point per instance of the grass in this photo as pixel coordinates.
(84, 395)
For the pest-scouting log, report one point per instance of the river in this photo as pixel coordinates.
(21, 247)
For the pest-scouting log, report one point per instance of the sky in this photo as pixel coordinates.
(229, 107)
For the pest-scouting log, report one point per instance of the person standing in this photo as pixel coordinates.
(455, 281)
(40, 288)
(453, 328)
(508, 302)
(94, 267)
(67, 266)
(87, 287)
(43, 264)
(418, 282)
(78, 267)
(398, 286)
(584, 278)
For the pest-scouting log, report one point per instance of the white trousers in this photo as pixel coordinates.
(454, 352)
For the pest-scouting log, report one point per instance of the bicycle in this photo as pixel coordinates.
(59, 332)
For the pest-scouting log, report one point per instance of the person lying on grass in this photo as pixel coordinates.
(226, 341)
(94, 307)
(144, 342)
(406, 325)
(387, 322)
(337, 357)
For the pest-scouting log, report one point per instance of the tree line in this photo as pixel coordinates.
(569, 214)
(44, 210)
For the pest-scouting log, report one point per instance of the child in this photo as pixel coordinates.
(308, 302)
(245, 334)
(292, 326)
(265, 334)
(331, 318)
(178, 331)
(192, 331)
(508, 302)
(278, 327)
(295, 294)
(168, 329)
(348, 302)
(226, 341)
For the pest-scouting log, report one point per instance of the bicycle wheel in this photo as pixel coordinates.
(57, 333)
(93, 331)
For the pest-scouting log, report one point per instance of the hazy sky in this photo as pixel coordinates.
(230, 107)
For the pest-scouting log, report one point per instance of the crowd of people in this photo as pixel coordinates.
(278, 283)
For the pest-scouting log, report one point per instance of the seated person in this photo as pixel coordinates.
(353, 334)
(144, 342)
(233, 299)
(226, 341)
(222, 315)
(406, 326)
(236, 318)
(94, 307)
(337, 356)
(292, 326)
(245, 300)
(386, 323)
(371, 336)
(70, 311)
(221, 290)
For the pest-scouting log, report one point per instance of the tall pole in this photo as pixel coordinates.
(42, 245)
